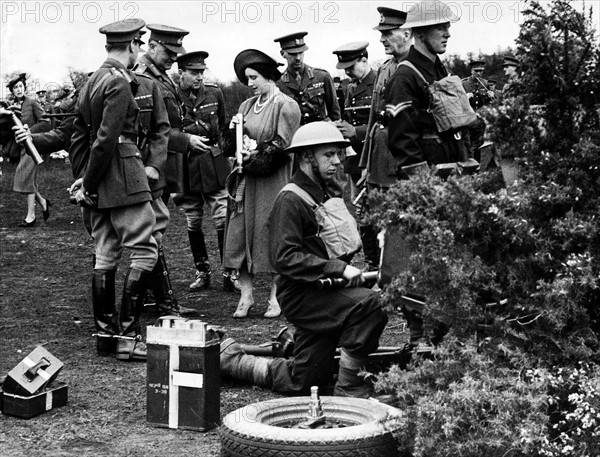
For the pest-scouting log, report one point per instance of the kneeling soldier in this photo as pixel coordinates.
(350, 318)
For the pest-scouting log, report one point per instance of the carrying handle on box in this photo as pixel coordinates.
(33, 371)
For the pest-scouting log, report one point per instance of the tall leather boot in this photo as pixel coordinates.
(129, 345)
(105, 315)
(231, 277)
(200, 255)
(349, 382)
(243, 367)
(368, 235)
(162, 290)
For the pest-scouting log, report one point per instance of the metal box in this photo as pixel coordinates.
(183, 375)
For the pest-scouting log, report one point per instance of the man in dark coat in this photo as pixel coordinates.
(413, 136)
(312, 88)
(376, 160)
(353, 58)
(164, 44)
(115, 186)
(479, 93)
(207, 167)
(414, 139)
(350, 317)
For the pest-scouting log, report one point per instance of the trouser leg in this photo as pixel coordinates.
(312, 363)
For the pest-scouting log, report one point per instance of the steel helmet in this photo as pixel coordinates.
(429, 12)
(315, 134)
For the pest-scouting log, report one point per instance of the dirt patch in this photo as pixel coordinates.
(45, 299)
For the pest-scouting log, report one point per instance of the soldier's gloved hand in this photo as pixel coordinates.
(22, 134)
(152, 173)
(353, 275)
(346, 129)
(199, 143)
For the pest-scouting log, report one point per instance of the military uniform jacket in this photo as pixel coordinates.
(105, 129)
(479, 88)
(413, 137)
(178, 140)
(357, 107)
(376, 157)
(204, 114)
(315, 94)
(153, 131)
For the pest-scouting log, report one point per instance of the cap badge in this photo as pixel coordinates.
(179, 41)
(297, 41)
(382, 19)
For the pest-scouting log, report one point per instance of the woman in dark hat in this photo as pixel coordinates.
(270, 119)
(25, 181)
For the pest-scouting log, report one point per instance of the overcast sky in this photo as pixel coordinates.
(44, 38)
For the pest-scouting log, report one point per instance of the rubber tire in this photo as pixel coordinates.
(248, 431)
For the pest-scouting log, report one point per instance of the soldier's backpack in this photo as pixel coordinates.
(337, 227)
(448, 102)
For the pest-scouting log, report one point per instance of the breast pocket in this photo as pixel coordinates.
(315, 93)
(133, 172)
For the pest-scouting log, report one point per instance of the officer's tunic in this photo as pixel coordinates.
(204, 115)
(357, 107)
(376, 157)
(178, 140)
(105, 134)
(479, 87)
(315, 94)
(413, 137)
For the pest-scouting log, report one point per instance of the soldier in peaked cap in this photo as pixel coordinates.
(510, 65)
(164, 44)
(476, 87)
(353, 58)
(376, 160)
(115, 186)
(312, 88)
(479, 93)
(207, 168)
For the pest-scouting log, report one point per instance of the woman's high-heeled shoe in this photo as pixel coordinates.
(46, 212)
(242, 310)
(26, 224)
(273, 310)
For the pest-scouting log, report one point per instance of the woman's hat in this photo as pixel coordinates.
(249, 57)
(21, 77)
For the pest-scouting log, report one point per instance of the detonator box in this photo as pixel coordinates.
(28, 407)
(183, 376)
(28, 389)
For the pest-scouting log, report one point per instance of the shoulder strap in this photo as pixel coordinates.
(300, 192)
(410, 65)
(98, 84)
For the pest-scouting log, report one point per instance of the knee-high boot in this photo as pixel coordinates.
(105, 316)
(200, 255)
(130, 346)
(162, 290)
(231, 278)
